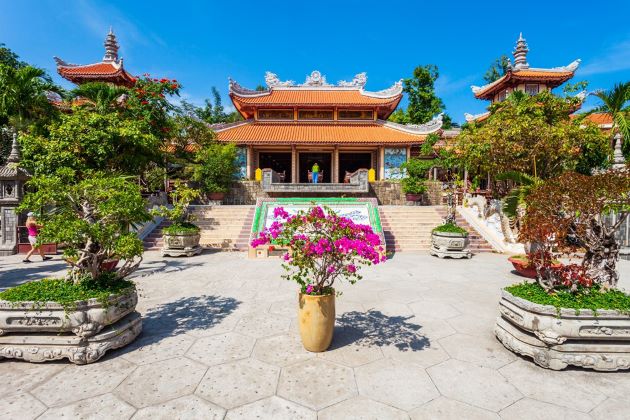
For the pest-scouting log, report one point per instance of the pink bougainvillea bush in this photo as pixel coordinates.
(323, 247)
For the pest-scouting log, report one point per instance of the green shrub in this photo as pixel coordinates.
(585, 299)
(413, 186)
(450, 228)
(216, 167)
(184, 228)
(66, 293)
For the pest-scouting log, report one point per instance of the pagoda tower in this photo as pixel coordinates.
(109, 70)
(520, 76)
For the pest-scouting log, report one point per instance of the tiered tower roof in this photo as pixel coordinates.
(521, 72)
(110, 69)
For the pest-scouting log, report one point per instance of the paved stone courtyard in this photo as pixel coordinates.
(413, 340)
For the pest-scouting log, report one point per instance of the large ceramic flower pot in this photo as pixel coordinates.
(525, 268)
(316, 316)
(181, 244)
(216, 196)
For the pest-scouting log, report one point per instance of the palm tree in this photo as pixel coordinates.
(23, 95)
(615, 103)
(517, 196)
(100, 96)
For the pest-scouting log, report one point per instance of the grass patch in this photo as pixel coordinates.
(181, 229)
(450, 228)
(65, 292)
(593, 300)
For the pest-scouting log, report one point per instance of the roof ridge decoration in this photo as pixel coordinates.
(473, 117)
(359, 81)
(394, 90)
(427, 128)
(236, 88)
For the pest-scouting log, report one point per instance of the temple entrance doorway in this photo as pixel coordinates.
(279, 162)
(350, 162)
(307, 160)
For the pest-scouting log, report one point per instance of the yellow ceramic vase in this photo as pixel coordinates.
(316, 316)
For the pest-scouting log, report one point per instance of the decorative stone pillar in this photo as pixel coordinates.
(335, 166)
(12, 179)
(381, 163)
(250, 162)
(619, 162)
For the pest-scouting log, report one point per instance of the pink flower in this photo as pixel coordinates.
(309, 289)
(280, 213)
(351, 268)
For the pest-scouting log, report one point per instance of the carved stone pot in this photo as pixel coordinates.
(450, 244)
(181, 244)
(83, 335)
(87, 319)
(555, 340)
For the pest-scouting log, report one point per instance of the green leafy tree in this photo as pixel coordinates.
(92, 218)
(616, 103)
(497, 69)
(423, 102)
(86, 141)
(533, 135)
(215, 167)
(181, 197)
(213, 111)
(10, 58)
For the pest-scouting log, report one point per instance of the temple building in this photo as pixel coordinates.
(520, 76)
(109, 70)
(343, 127)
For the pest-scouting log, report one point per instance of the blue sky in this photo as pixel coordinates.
(202, 43)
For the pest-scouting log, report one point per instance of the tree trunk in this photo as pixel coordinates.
(602, 254)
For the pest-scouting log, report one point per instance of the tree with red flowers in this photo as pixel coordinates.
(565, 214)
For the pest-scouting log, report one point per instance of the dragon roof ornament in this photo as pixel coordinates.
(427, 128)
(359, 81)
(394, 90)
(234, 87)
(473, 117)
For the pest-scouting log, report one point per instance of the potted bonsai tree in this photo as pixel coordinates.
(573, 314)
(414, 183)
(91, 310)
(449, 240)
(324, 248)
(215, 168)
(182, 236)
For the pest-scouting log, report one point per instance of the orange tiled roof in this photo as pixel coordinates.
(98, 71)
(552, 78)
(315, 97)
(599, 118)
(317, 133)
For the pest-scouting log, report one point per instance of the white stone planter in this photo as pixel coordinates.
(42, 347)
(555, 340)
(181, 244)
(449, 244)
(86, 320)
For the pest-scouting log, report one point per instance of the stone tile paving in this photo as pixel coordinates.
(413, 340)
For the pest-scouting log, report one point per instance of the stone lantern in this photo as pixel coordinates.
(12, 179)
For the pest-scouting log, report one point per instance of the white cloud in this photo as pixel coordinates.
(616, 58)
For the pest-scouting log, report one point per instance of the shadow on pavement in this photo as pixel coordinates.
(182, 315)
(373, 328)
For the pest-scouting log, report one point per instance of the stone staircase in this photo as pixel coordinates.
(225, 228)
(408, 228)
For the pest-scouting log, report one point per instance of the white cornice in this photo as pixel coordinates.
(217, 128)
(427, 128)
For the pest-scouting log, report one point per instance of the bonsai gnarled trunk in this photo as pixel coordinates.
(602, 252)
